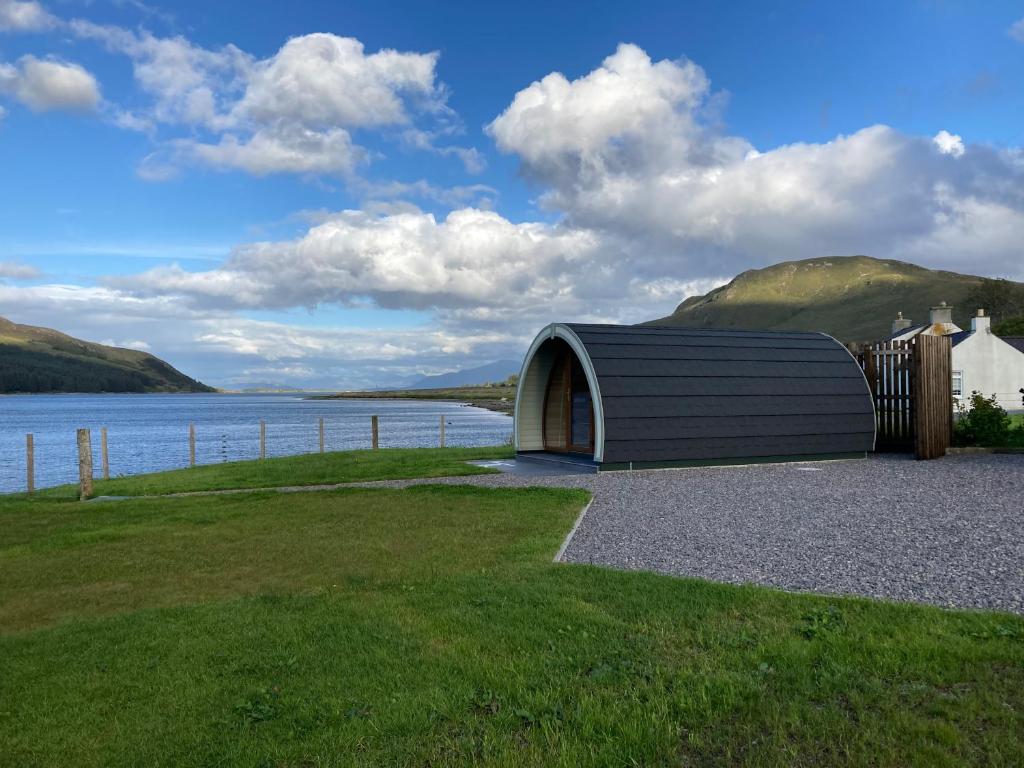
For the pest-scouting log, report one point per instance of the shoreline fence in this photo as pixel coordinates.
(217, 447)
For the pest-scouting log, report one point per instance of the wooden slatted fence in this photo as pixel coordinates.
(912, 388)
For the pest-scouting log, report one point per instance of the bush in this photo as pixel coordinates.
(985, 422)
(1011, 326)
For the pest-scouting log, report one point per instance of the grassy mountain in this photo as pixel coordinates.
(853, 298)
(43, 360)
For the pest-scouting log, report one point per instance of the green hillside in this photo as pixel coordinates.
(853, 298)
(43, 360)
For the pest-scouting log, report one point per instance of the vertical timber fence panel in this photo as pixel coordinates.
(911, 384)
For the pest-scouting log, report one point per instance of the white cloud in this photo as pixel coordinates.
(281, 148)
(554, 121)
(1016, 30)
(406, 259)
(17, 271)
(294, 112)
(190, 85)
(477, 271)
(323, 80)
(651, 201)
(949, 143)
(49, 84)
(24, 16)
(655, 205)
(626, 151)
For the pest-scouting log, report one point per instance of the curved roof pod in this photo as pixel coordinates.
(665, 396)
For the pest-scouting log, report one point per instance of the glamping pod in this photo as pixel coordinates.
(623, 397)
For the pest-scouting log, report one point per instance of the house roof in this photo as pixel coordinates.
(956, 338)
(1017, 342)
(671, 393)
(907, 333)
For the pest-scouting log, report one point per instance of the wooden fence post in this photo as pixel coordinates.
(191, 444)
(30, 463)
(373, 430)
(442, 431)
(84, 464)
(933, 396)
(263, 439)
(103, 453)
(321, 434)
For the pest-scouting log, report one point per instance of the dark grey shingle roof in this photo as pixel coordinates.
(956, 338)
(1017, 342)
(675, 394)
(912, 329)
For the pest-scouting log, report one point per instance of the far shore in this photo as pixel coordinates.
(500, 398)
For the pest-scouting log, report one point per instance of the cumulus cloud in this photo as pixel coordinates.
(326, 80)
(474, 269)
(655, 203)
(24, 16)
(189, 85)
(627, 150)
(651, 200)
(405, 259)
(294, 112)
(50, 84)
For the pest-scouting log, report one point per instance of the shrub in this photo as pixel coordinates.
(984, 422)
(1011, 326)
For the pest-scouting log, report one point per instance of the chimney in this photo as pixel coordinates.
(900, 323)
(941, 315)
(981, 322)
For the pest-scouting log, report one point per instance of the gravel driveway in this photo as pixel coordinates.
(948, 532)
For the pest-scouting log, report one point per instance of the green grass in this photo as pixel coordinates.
(429, 627)
(310, 469)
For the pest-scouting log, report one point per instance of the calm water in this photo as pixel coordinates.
(147, 433)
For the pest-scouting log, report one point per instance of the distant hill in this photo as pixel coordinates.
(43, 360)
(485, 374)
(853, 298)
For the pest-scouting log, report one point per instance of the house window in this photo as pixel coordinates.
(958, 383)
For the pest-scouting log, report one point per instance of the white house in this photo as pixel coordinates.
(982, 362)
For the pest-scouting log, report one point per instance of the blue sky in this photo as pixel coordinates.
(254, 192)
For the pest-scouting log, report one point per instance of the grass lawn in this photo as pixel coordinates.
(309, 469)
(429, 627)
